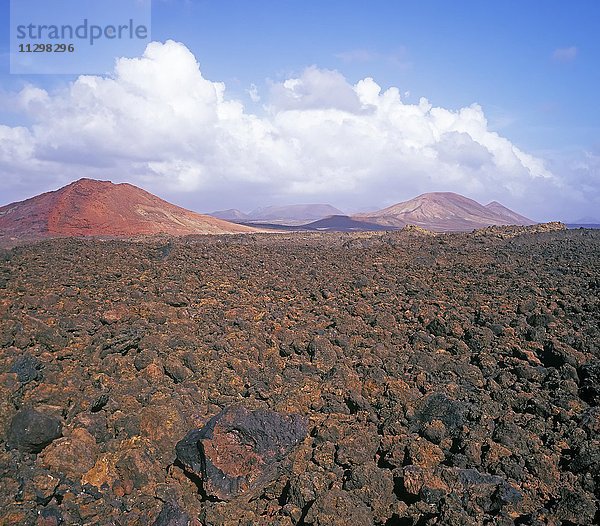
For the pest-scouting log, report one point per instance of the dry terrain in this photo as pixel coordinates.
(325, 379)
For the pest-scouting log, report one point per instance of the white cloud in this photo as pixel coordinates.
(158, 122)
(565, 54)
(315, 89)
(253, 93)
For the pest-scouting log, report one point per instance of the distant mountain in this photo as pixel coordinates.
(508, 214)
(444, 212)
(100, 208)
(293, 214)
(342, 223)
(587, 220)
(231, 214)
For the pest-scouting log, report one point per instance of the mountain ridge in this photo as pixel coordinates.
(444, 211)
(88, 207)
(292, 215)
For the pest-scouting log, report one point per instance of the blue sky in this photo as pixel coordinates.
(499, 54)
(533, 68)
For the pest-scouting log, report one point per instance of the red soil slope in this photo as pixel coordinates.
(100, 208)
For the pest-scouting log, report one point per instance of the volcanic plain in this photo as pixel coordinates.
(340, 379)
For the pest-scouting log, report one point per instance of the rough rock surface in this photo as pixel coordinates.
(238, 451)
(448, 379)
(31, 431)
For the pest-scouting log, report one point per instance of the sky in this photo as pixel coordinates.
(360, 104)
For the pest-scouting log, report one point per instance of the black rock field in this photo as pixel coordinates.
(327, 379)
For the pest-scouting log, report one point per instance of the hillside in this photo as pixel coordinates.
(100, 208)
(444, 211)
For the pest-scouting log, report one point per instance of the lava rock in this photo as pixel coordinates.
(338, 508)
(27, 368)
(238, 450)
(402, 410)
(172, 515)
(99, 403)
(590, 382)
(31, 431)
(439, 407)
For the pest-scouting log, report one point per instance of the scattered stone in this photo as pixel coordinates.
(447, 379)
(73, 455)
(99, 403)
(590, 382)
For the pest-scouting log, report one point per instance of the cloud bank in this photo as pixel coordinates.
(157, 122)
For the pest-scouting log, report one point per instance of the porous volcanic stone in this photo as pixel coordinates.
(489, 416)
(172, 515)
(31, 431)
(240, 450)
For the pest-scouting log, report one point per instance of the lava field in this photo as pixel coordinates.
(325, 379)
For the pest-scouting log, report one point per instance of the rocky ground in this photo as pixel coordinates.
(302, 379)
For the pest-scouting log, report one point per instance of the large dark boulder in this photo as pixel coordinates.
(239, 450)
(31, 431)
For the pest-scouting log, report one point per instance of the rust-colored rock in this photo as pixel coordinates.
(72, 455)
(238, 450)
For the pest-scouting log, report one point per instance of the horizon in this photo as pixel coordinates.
(236, 109)
(584, 221)
(260, 208)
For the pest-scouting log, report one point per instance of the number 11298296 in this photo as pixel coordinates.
(46, 48)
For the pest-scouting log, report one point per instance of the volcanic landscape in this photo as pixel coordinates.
(406, 377)
(389, 378)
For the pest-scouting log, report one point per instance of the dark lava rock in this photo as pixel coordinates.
(99, 403)
(590, 382)
(50, 516)
(27, 368)
(489, 492)
(31, 431)
(172, 515)
(238, 450)
(575, 508)
(437, 327)
(439, 407)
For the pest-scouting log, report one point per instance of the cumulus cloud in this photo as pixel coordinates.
(565, 54)
(158, 122)
(315, 89)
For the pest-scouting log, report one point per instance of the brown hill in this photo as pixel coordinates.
(100, 208)
(444, 212)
